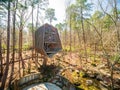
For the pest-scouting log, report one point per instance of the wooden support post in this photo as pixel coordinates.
(45, 59)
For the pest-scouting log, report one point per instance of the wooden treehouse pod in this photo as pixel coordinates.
(47, 41)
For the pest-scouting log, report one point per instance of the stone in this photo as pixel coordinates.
(72, 87)
(54, 81)
(101, 66)
(77, 71)
(102, 87)
(99, 77)
(59, 84)
(89, 82)
(65, 88)
(92, 76)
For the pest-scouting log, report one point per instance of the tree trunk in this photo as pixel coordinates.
(32, 34)
(65, 41)
(45, 59)
(20, 46)
(1, 62)
(37, 16)
(14, 41)
(8, 51)
(84, 39)
(112, 80)
(74, 39)
(116, 26)
(78, 33)
(70, 34)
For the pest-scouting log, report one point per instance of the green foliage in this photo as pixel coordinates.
(59, 26)
(4, 46)
(6, 0)
(50, 14)
(29, 26)
(97, 15)
(83, 4)
(78, 78)
(21, 6)
(67, 48)
(115, 57)
(74, 11)
(107, 22)
(26, 46)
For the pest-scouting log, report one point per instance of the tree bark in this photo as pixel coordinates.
(74, 39)
(116, 26)
(65, 41)
(1, 62)
(20, 44)
(32, 34)
(14, 41)
(8, 50)
(45, 59)
(37, 16)
(84, 39)
(70, 34)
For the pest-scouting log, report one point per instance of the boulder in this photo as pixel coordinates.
(99, 77)
(89, 82)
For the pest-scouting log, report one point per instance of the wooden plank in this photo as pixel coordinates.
(51, 52)
(50, 42)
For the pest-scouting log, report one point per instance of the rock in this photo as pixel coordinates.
(92, 76)
(99, 78)
(101, 66)
(89, 72)
(77, 84)
(72, 87)
(59, 84)
(77, 71)
(103, 84)
(89, 82)
(64, 88)
(102, 87)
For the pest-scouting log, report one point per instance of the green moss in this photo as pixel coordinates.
(78, 78)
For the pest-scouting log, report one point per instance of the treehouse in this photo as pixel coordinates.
(47, 41)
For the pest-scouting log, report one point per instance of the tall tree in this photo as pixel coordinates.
(60, 27)
(1, 60)
(41, 6)
(114, 18)
(2, 17)
(83, 6)
(70, 9)
(8, 50)
(22, 15)
(13, 40)
(50, 15)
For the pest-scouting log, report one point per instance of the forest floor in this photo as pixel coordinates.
(94, 70)
(90, 74)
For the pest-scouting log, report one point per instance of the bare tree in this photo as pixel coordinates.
(114, 19)
(1, 60)
(14, 40)
(8, 50)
